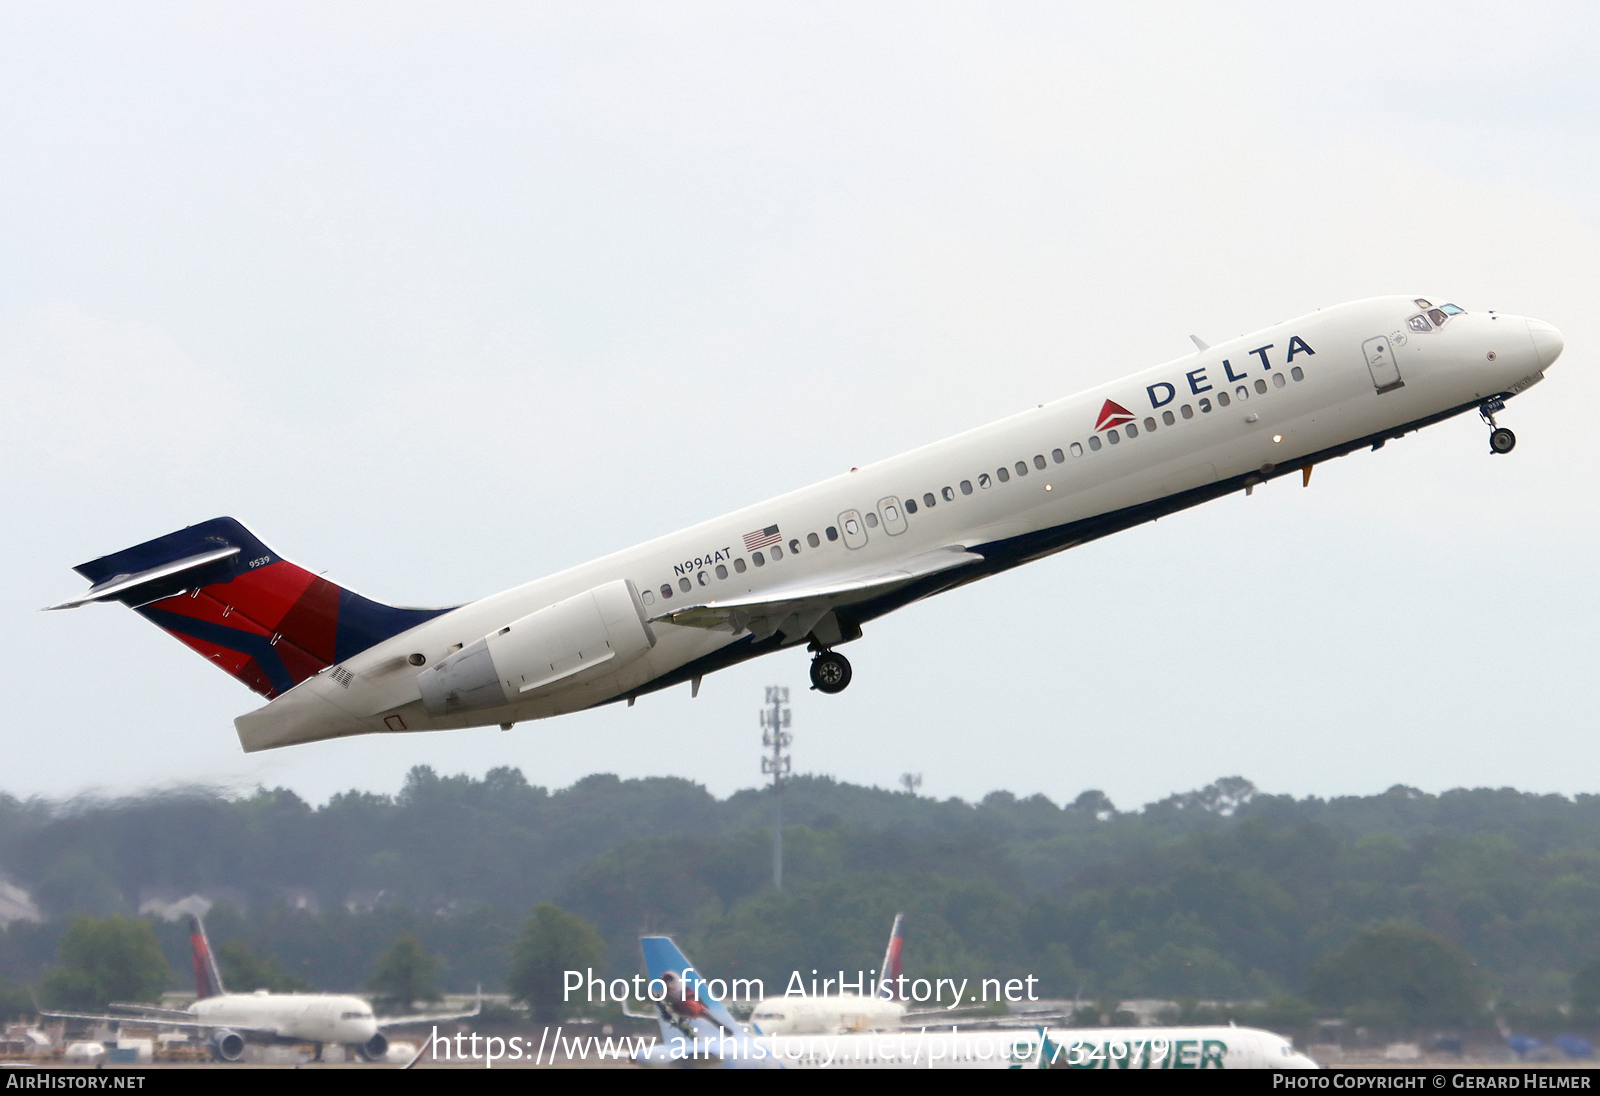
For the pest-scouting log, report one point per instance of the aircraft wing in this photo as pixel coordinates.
(432, 1017)
(162, 1018)
(151, 1012)
(795, 610)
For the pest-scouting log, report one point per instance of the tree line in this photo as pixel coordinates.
(1487, 895)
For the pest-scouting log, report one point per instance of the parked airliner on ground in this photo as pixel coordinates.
(881, 1008)
(816, 565)
(230, 1021)
(696, 1029)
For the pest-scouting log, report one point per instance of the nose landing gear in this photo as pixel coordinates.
(1501, 440)
(830, 672)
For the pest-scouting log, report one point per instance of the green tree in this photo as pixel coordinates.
(554, 942)
(1586, 993)
(14, 1002)
(406, 974)
(245, 972)
(103, 961)
(1400, 976)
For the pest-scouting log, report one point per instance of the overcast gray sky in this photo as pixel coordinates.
(440, 298)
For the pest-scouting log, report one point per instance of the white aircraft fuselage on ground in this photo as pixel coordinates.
(289, 1017)
(980, 1048)
(815, 565)
(231, 1021)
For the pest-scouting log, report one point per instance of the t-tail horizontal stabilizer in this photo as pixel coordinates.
(222, 592)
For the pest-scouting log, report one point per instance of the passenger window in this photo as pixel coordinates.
(928, 500)
(984, 481)
(701, 578)
(1022, 468)
(648, 597)
(722, 572)
(813, 540)
(794, 547)
(949, 493)
(1058, 456)
(758, 559)
(666, 592)
(966, 487)
(1297, 373)
(1005, 477)
(1261, 385)
(1094, 442)
(911, 506)
(738, 565)
(1149, 426)
(1186, 411)
(1278, 381)
(683, 584)
(831, 533)
(1076, 449)
(1112, 436)
(1038, 461)
(1205, 406)
(1222, 399)
(1166, 416)
(777, 552)
(1133, 430)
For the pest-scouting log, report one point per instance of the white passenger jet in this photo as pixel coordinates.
(881, 1008)
(230, 1021)
(696, 1029)
(816, 565)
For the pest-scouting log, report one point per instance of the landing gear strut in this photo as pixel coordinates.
(830, 672)
(1501, 440)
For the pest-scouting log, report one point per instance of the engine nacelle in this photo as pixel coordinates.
(605, 626)
(374, 1048)
(227, 1046)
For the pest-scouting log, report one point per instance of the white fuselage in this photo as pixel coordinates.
(981, 1048)
(297, 1017)
(1172, 1048)
(822, 1015)
(1213, 421)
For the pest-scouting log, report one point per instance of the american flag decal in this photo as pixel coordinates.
(761, 538)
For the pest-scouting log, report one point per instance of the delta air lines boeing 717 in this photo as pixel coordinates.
(816, 566)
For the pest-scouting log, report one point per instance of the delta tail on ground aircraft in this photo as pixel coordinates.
(231, 1020)
(816, 565)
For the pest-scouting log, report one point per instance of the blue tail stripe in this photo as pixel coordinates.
(257, 647)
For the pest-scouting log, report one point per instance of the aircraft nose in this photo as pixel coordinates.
(1547, 342)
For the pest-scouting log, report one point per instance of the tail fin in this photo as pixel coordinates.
(207, 979)
(222, 592)
(889, 977)
(688, 999)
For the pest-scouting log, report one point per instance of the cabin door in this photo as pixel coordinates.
(1381, 364)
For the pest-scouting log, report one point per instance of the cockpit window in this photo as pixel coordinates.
(1452, 310)
(1437, 316)
(1420, 303)
(1419, 323)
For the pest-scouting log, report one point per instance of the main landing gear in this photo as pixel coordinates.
(830, 672)
(1501, 440)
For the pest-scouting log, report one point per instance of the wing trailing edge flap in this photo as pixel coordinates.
(796, 610)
